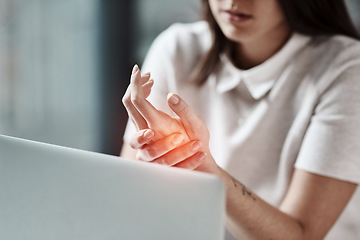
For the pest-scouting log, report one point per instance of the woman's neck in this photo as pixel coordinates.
(252, 53)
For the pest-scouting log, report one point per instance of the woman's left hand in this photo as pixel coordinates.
(195, 128)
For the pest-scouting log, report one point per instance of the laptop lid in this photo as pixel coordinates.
(52, 192)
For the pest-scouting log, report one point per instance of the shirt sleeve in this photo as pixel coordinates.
(331, 145)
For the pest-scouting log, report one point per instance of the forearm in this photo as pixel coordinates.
(250, 217)
(308, 211)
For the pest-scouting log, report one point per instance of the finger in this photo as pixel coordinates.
(160, 147)
(138, 97)
(192, 162)
(141, 138)
(179, 154)
(139, 122)
(147, 87)
(137, 77)
(133, 113)
(187, 116)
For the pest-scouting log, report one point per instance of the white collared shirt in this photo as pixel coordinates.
(299, 109)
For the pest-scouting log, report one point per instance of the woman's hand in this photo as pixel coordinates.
(180, 142)
(195, 128)
(143, 114)
(168, 151)
(194, 154)
(160, 138)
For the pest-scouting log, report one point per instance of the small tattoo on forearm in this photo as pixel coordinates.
(244, 190)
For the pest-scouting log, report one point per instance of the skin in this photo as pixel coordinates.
(258, 38)
(312, 203)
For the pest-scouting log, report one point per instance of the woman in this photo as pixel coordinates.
(275, 85)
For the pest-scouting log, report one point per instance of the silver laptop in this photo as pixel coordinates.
(49, 192)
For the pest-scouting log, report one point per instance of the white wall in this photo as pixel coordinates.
(354, 9)
(48, 71)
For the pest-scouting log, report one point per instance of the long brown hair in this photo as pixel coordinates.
(309, 17)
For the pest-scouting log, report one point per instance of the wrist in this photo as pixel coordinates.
(209, 165)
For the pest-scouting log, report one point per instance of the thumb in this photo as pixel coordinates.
(189, 119)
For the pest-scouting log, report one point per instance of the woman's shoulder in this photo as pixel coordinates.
(188, 37)
(343, 41)
(339, 49)
(174, 53)
(334, 58)
(197, 30)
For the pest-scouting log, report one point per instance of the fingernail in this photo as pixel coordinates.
(135, 69)
(177, 139)
(148, 134)
(196, 146)
(150, 82)
(174, 99)
(202, 156)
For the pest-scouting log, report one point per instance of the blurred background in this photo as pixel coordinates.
(65, 65)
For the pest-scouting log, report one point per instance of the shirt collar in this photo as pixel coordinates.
(259, 79)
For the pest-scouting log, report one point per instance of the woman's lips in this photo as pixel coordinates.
(236, 17)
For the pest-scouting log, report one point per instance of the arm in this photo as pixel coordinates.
(311, 206)
(308, 211)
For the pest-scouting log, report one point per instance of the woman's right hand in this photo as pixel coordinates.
(160, 137)
(167, 151)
